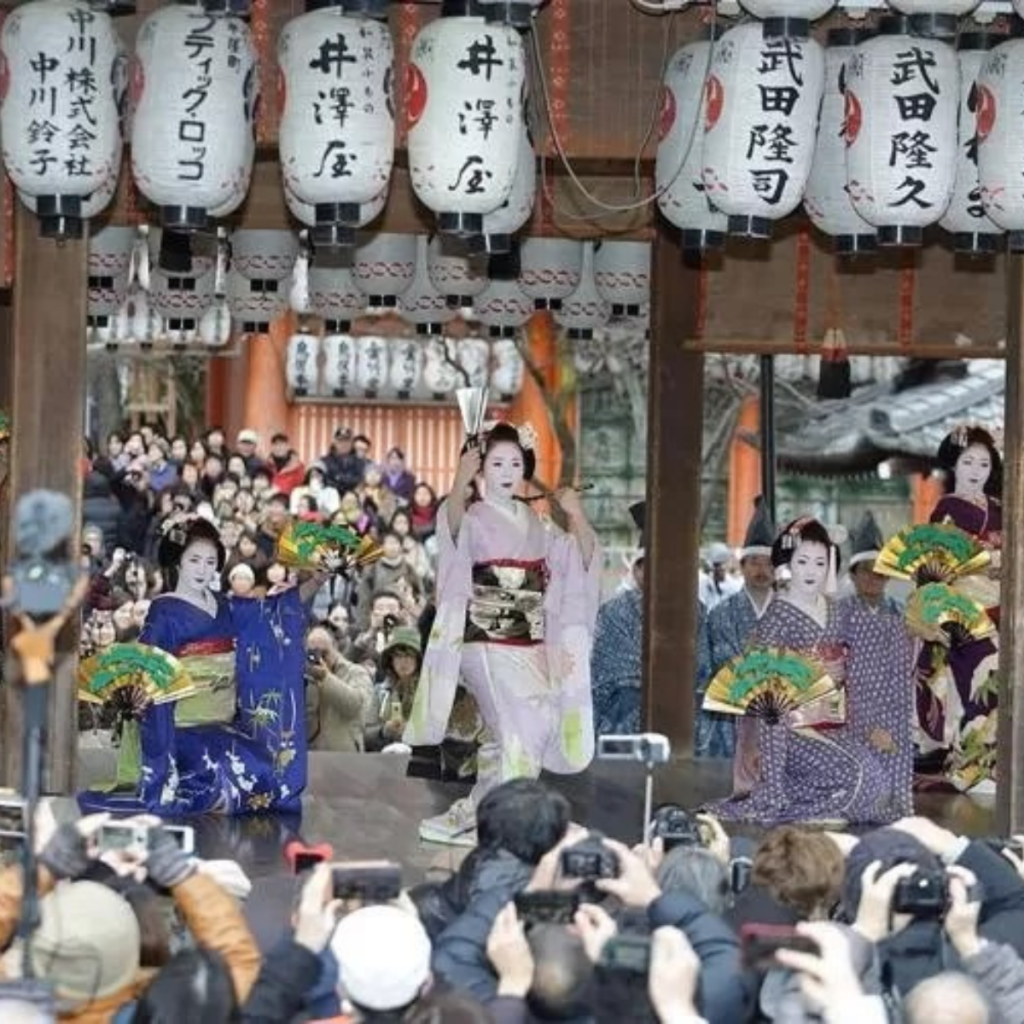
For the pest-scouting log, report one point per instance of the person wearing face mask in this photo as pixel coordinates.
(811, 768)
(238, 745)
(957, 689)
(517, 602)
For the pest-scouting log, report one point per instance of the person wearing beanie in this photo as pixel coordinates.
(811, 768)
(730, 624)
(879, 670)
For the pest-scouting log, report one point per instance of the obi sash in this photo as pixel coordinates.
(507, 606)
(210, 665)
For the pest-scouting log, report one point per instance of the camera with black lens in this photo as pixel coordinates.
(590, 859)
(924, 894)
(675, 826)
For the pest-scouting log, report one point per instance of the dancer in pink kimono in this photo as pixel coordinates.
(517, 601)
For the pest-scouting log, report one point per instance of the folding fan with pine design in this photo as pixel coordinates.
(319, 546)
(932, 553)
(768, 683)
(938, 613)
(130, 677)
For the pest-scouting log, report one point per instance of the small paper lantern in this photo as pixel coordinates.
(405, 367)
(457, 276)
(215, 324)
(501, 224)
(441, 374)
(825, 198)
(337, 132)
(585, 311)
(678, 165)
(339, 370)
(549, 270)
(60, 86)
(110, 252)
(902, 98)
(194, 87)
(336, 237)
(517, 13)
(300, 368)
(181, 300)
(965, 219)
(937, 19)
(253, 307)
(464, 86)
(761, 117)
(371, 365)
(508, 369)
(333, 295)
(787, 18)
(622, 273)
(421, 304)
(474, 356)
(384, 267)
(264, 255)
(503, 308)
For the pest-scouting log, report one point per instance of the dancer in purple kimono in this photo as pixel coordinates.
(879, 671)
(516, 604)
(957, 688)
(808, 773)
(240, 747)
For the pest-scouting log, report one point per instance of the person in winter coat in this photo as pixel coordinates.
(100, 508)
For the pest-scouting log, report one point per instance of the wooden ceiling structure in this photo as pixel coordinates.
(599, 105)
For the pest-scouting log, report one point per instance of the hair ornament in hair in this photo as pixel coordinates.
(527, 436)
(176, 526)
(792, 534)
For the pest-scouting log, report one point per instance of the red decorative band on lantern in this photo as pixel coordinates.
(204, 648)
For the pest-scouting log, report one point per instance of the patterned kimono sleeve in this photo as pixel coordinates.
(705, 667)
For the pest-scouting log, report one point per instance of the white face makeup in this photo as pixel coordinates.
(972, 470)
(198, 566)
(809, 571)
(503, 472)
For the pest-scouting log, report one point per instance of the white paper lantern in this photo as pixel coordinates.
(384, 266)
(474, 356)
(333, 295)
(405, 371)
(264, 255)
(549, 270)
(300, 369)
(61, 85)
(517, 13)
(762, 102)
(253, 305)
(215, 324)
(457, 276)
(181, 300)
(507, 369)
(421, 304)
(337, 133)
(787, 18)
(622, 273)
(825, 198)
(441, 374)
(371, 365)
(501, 224)
(503, 308)
(585, 311)
(194, 87)
(965, 219)
(338, 236)
(339, 369)
(937, 19)
(464, 86)
(902, 100)
(1000, 129)
(110, 251)
(679, 186)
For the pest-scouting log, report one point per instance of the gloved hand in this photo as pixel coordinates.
(66, 855)
(167, 864)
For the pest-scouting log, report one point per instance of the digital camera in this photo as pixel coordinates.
(547, 907)
(590, 859)
(675, 826)
(134, 837)
(627, 952)
(372, 881)
(924, 894)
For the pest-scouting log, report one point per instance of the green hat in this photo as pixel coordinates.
(404, 636)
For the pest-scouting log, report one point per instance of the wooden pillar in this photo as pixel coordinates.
(1010, 764)
(48, 400)
(675, 442)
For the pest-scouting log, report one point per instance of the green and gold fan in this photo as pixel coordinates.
(320, 546)
(938, 613)
(768, 683)
(932, 553)
(130, 677)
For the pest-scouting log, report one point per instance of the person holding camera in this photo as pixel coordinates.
(339, 696)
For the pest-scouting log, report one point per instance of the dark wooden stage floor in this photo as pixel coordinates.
(364, 806)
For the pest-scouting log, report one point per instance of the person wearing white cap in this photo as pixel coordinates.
(729, 627)
(879, 669)
(715, 586)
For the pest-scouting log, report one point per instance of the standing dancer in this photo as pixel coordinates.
(516, 604)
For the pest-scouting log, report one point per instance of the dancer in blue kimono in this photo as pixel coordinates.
(239, 747)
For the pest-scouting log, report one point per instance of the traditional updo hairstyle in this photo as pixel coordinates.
(503, 433)
(177, 538)
(804, 529)
(956, 442)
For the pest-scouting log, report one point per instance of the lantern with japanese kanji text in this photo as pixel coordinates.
(194, 88)
(405, 367)
(549, 270)
(679, 186)
(337, 133)
(464, 87)
(902, 100)
(974, 233)
(501, 224)
(372, 363)
(1001, 139)
(339, 370)
(761, 119)
(825, 197)
(301, 373)
(335, 237)
(59, 118)
(585, 310)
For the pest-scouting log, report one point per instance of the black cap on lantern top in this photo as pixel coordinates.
(460, 224)
(510, 12)
(60, 216)
(794, 28)
(337, 326)
(702, 240)
(496, 331)
(113, 6)
(333, 237)
(346, 214)
(368, 8)
(969, 243)
(893, 236)
(235, 8)
(750, 227)
(488, 245)
(981, 39)
(845, 36)
(579, 334)
(430, 329)
(893, 25)
(184, 218)
(175, 253)
(382, 301)
(934, 26)
(458, 301)
(855, 245)
(463, 9)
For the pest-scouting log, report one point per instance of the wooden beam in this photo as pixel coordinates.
(48, 395)
(675, 435)
(1010, 747)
